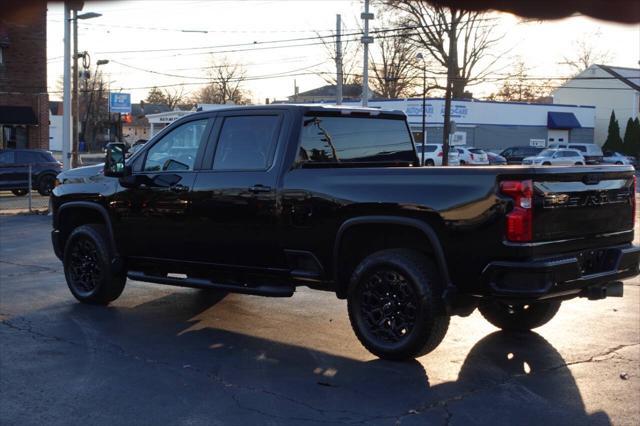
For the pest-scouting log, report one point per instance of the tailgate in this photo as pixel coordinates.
(579, 202)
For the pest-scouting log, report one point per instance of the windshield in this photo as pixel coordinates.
(547, 153)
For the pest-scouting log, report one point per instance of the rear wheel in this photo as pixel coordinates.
(579, 164)
(88, 266)
(19, 192)
(519, 317)
(546, 163)
(46, 185)
(395, 304)
(429, 163)
(619, 163)
(463, 163)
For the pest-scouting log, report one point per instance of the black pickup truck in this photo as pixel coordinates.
(260, 200)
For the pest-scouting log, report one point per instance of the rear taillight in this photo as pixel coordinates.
(520, 219)
(440, 154)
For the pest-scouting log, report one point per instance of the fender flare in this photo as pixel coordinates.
(423, 227)
(94, 206)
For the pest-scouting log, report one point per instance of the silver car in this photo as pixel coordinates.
(556, 157)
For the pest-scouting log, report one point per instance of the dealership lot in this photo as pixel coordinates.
(164, 355)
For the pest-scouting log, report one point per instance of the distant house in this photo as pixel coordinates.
(136, 125)
(608, 88)
(350, 92)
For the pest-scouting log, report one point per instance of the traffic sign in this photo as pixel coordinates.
(120, 102)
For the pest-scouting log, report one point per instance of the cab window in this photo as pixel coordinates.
(177, 150)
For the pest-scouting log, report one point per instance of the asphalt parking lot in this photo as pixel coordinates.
(164, 355)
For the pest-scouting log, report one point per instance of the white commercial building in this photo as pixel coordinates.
(608, 89)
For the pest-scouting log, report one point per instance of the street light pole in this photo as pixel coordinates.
(76, 102)
(424, 104)
(75, 162)
(366, 39)
(66, 96)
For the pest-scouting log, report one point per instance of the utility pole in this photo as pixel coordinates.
(453, 54)
(66, 96)
(366, 16)
(76, 102)
(338, 60)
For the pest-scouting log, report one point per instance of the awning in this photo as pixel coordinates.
(17, 115)
(562, 120)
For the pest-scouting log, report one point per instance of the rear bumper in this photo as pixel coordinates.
(582, 273)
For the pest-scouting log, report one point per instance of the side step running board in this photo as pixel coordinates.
(260, 290)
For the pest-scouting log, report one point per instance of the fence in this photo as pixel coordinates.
(25, 198)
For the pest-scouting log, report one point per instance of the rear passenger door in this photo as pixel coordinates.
(236, 208)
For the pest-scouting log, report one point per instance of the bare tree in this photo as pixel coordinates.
(225, 86)
(395, 69)
(520, 87)
(351, 59)
(172, 98)
(586, 54)
(473, 34)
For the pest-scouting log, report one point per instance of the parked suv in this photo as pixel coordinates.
(433, 154)
(472, 156)
(14, 171)
(556, 157)
(515, 154)
(591, 152)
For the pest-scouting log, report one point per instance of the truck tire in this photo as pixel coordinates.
(88, 266)
(395, 304)
(519, 317)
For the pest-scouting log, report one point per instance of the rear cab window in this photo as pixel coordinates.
(336, 139)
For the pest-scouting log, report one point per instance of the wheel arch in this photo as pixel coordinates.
(425, 231)
(72, 214)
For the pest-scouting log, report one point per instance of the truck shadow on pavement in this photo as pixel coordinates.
(234, 377)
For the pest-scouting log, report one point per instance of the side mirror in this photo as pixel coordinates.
(114, 164)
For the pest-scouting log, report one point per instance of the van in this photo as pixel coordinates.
(591, 152)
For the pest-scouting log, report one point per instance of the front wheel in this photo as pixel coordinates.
(395, 304)
(88, 266)
(546, 163)
(519, 317)
(19, 192)
(463, 163)
(579, 164)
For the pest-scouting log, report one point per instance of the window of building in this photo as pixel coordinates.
(246, 143)
(327, 139)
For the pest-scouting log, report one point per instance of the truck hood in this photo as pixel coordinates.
(82, 174)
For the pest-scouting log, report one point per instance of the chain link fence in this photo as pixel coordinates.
(23, 200)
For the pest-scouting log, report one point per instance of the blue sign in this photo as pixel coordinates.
(120, 102)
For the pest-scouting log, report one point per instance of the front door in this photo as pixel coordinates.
(153, 212)
(235, 196)
(9, 170)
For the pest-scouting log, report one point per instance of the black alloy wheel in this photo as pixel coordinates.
(85, 270)
(388, 305)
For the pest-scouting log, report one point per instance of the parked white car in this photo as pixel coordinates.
(556, 157)
(591, 152)
(433, 154)
(616, 158)
(472, 156)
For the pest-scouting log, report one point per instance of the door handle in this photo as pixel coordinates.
(179, 188)
(255, 189)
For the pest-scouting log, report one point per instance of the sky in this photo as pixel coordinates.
(145, 39)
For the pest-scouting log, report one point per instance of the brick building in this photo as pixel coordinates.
(24, 102)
